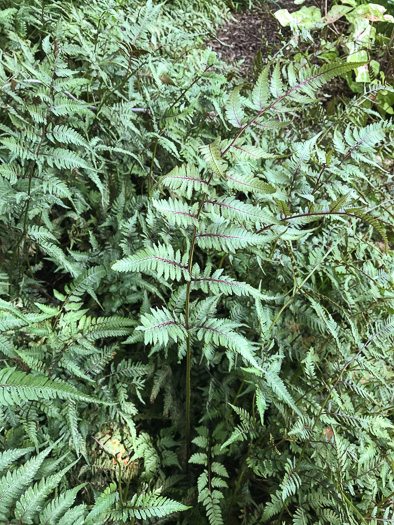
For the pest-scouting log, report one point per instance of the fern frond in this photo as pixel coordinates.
(279, 388)
(291, 481)
(273, 507)
(211, 501)
(184, 180)
(160, 325)
(87, 281)
(277, 87)
(31, 502)
(248, 184)
(58, 506)
(240, 433)
(231, 208)
(246, 152)
(151, 505)
(14, 483)
(177, 212)
(103, 505)
(317, 77)
(10, 456)
(217, 283)
(75, 515)
(213, 158)
(300, 517)
(221, 333)
(234, 111)
(260, 94)
(229, 239)
(40, 233)
(64, 159)
(66, 135)
(17, 387)
(162, 259)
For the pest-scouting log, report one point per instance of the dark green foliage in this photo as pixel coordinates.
(196, 318)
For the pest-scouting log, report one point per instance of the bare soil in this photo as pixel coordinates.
(250, 32)
(254, 31)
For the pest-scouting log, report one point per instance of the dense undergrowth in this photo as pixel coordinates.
(196, 277)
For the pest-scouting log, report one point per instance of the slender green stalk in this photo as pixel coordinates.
(151, 168)
(187, 321)
(188, 382)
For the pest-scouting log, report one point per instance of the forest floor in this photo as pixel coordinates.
(243, 37)
(252, 31)
(256, 31)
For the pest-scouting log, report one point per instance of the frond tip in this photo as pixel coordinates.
(162, 259)
(213, 158)
(221, 332)
(160, 325)
(151, 505)
(217, 283)
(184, 180)
(18, 387)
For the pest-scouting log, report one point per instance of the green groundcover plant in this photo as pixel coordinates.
(196, 278)
(360, 32)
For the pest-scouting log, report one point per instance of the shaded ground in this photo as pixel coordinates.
(252, 31)
(257, 31)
